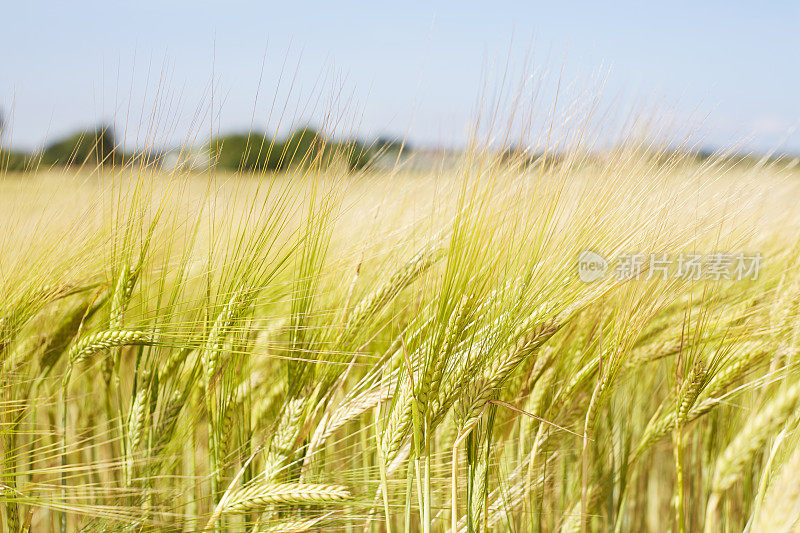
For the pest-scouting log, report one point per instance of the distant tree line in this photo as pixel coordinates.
(255, 152)
(92, 147)
(251, 152)
(304, 147)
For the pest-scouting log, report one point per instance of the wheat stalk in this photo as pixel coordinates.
(780, 511)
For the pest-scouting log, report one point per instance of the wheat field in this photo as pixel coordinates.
(322, 350)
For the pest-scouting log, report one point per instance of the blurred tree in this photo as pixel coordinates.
(305, 146)
(14, 161)
(391, 144)
(247, 152)
(92, 147)
(301, 148)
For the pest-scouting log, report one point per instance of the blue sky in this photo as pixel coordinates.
(411, 67)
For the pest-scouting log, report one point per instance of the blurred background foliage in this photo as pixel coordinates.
(305, 146)
(246, 152)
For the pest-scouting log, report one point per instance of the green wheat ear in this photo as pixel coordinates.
(104, 340)
(260, 495)
(758, 430)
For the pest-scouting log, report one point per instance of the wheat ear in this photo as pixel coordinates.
(296, 526)
(374, 301)
(259, 495)
(753, 436)
(104, 340)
